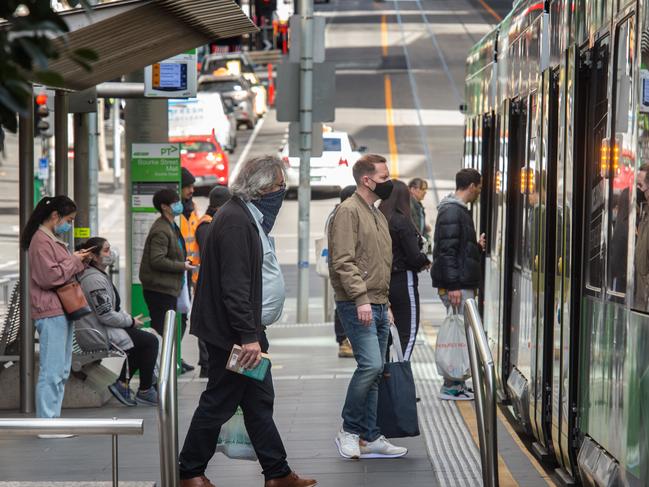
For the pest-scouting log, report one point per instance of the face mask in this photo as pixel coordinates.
(62, 228)
(107, 260)
(269, 205)
(383, 190)
(176, 208)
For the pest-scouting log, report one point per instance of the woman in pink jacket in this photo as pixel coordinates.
(51, 265)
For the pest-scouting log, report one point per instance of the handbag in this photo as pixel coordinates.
(396, 414)
(73, 300)
(322, 257)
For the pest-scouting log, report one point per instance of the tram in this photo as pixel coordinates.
(557, 121)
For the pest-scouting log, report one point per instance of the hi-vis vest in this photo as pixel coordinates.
(188, 231)
(204, 219)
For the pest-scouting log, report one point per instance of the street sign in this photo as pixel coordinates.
(294, 140)
(288, 92)
(318, 39)
(153, 167)
(172, 78)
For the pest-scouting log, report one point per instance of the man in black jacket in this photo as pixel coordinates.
(234, 298)
(457, 257)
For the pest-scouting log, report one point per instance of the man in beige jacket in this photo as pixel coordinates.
(360, 250)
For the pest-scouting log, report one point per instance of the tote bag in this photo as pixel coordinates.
(451, 353)
(397, 406)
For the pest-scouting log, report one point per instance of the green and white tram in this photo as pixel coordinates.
(557, 121)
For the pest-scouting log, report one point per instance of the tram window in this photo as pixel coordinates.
(622, 157)
(468, 143)
(530, 187)
(519, 127)
(597, 154)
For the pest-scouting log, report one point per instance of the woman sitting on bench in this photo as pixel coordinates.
(117, 327)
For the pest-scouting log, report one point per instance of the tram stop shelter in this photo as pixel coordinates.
(126, 35)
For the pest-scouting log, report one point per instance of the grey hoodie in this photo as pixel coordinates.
(110, 323)
(451, 199)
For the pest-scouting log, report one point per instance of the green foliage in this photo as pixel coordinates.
(25, 51)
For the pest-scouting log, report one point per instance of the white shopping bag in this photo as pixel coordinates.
(322, 257)
(183, 305)
(451, 353)
(234, 441)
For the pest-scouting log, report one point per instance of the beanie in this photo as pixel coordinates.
(187, 178)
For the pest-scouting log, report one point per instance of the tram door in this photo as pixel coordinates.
(523, 125)
(542, 189)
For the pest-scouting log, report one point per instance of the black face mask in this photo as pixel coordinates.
(382, 190)
(269, 205)
(639, 196)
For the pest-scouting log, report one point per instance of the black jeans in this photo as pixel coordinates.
(159, 304)
(224, 393)
(340, 331)
(404, 300)
(141, 357)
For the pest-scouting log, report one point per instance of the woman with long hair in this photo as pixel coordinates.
(407, 261)
(109, 322)
(51, 265)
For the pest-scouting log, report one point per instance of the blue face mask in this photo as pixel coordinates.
(176, 208)
(62, 228)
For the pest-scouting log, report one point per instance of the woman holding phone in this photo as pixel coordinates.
(109, 323)
(51, 265)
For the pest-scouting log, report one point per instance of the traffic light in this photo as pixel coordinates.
(41, 116)
(265, 8)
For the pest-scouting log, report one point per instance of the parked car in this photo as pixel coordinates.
(201, 115)
(238, 89)
(204, 158)
(234, 64)
(333, 170)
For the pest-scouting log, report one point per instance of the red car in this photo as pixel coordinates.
(204, 158)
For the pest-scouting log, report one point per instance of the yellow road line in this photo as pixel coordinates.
(493, 13)
(392, 140)
(384, 36)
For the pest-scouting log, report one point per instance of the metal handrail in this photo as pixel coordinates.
(168, 405)
(484, 384)
(76, 426)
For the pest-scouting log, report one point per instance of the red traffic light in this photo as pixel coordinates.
(41, 99)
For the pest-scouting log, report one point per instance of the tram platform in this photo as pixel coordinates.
(310, 384)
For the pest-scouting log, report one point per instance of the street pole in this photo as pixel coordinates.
(81, 177)
(26, 205)
(93, 173)
(61, 162)
(117, 144)
(306, 128)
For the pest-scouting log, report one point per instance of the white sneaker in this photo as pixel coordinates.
(382, 448)
(348, 444)
(55, 437)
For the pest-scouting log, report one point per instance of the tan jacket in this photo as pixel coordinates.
(360, 253)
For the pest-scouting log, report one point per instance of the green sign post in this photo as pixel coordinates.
(153, 167)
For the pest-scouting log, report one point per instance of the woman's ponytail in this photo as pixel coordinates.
(45, 207)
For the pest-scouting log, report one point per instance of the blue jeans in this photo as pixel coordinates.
(369, 344)
(55, 339)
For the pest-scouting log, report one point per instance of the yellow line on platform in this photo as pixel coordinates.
(392, 139)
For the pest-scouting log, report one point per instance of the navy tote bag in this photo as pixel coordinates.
(397, 406)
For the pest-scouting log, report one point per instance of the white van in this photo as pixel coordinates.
(201, 115)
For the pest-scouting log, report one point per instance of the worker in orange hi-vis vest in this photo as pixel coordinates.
(218, 197)
(188, 224)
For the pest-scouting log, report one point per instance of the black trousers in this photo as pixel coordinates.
(404, 299)
(338, 327)
(159, 304)
(224, 393)
(141, 357)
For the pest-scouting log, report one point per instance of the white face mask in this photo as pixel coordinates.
(107, 260)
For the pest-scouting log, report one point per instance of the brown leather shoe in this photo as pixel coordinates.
(201, 481)
(291, 480)
(194, 482)
(206, 482)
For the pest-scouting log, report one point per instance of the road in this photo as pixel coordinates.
(400, 70)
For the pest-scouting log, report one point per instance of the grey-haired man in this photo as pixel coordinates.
(240, 291)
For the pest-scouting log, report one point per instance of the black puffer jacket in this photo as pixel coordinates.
(456, 253)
